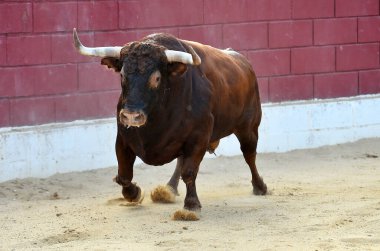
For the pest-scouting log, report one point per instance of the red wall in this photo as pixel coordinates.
(300, 49)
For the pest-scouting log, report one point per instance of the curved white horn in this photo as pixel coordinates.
(112, 51)
(182, 57)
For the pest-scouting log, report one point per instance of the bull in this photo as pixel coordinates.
(178, 99)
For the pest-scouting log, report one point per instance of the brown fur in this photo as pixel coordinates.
(192, 108)
(163, 194)
(185, 215)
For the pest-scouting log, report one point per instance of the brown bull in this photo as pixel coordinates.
(178, 99)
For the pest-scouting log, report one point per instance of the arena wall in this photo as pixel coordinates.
(306, 53)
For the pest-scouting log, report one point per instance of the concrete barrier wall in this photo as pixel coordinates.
(43, 150)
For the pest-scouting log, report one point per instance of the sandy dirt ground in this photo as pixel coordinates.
(321, 199)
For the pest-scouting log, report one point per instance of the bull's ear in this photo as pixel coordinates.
(113, 63)
(177, 69)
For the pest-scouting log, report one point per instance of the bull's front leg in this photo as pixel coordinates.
(126, 158)
(193, 152)
(189, 173)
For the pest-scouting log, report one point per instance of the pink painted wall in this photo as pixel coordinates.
(300, 49)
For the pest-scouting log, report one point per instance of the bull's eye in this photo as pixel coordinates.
(155, 79)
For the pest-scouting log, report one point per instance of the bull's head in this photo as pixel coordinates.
(145, 69)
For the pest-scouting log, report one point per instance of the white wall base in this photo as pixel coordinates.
(40, 151)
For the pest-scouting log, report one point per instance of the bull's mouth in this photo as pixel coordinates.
(135, 119)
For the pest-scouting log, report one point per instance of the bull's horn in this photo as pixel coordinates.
(113, 51)
(183, 57)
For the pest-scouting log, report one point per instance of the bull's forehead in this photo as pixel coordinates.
(141, 58)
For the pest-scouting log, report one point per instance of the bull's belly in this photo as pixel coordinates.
(158, 159)
(157, 155)
(154, 145)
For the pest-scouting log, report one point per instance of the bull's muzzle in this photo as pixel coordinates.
(128, 118)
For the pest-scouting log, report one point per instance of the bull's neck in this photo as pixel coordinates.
(177, 96)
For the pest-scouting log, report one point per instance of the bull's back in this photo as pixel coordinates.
(235, 97)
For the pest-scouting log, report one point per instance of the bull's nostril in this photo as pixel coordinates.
(132, 118)
(121, 114)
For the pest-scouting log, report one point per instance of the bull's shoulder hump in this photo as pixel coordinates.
(212, 51)
(230, 51)
(213, 58)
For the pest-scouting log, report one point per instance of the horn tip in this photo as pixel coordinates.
(77, 42)
(75, 34)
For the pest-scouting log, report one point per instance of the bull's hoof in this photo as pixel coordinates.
(260, 189)
(185, 215)
(163, 194)
(137, 199)
(174, 190)
(192, 204)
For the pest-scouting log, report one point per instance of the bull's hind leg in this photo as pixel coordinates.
(173, 182)
(248, 144)
(167, 194)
